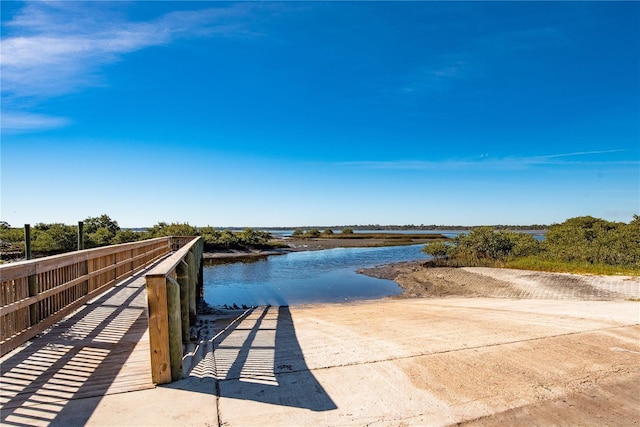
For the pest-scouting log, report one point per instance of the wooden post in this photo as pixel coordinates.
(192, 284)
(85, 265)
(27, 241)
(80, 235)
(200, 285)
(182, 271)
(158, 329)
(34, 309)
(175, 328)
(200, 282)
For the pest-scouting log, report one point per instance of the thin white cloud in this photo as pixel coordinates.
(581, 153)
(485, 162)
(519, 40)
(439, 74)
(17, 122)
(54, 48)
(477, 57)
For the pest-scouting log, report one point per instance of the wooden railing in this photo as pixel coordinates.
(37, 293)
(178, 242)
(172, 290)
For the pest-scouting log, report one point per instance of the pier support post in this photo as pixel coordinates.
(182, 271)
(158, 329)
(175, 328)
(200, 285)
(191, 262)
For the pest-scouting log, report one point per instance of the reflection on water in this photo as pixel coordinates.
(305, 277)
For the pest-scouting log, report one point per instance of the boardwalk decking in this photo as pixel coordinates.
(101, 349)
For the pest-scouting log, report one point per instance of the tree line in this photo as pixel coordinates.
(413, 227)
(56, 238)
(581, 240)
(434, 227)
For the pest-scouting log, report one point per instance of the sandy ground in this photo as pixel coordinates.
(419, 281)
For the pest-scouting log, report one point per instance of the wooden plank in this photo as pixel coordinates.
(17, 270)
(55, 367)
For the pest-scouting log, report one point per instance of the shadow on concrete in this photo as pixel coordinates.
(257, 357)
(80, 357)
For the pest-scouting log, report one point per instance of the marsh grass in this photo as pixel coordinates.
(534, 263)
(541, 264)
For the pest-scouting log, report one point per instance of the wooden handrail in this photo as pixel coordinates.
(10, 308)
(40, 265)
(169, 264)
(172, 288)
(37, 293)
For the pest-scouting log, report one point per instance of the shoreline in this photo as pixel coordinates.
(418, 280)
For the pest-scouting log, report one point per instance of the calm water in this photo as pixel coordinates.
(305, 277)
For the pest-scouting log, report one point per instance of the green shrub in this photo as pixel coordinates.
(162, 229)
(438, 250)
(314, 232)
(581, 244)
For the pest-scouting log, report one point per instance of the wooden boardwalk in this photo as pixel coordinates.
(103, 348)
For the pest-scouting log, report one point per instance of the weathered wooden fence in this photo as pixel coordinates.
(37, 293)
(172, 290)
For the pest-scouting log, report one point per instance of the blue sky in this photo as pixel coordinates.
(320, 113)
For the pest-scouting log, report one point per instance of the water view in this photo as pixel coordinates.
(305, 277)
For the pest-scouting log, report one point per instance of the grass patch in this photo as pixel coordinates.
(540, 264)
(274, 244)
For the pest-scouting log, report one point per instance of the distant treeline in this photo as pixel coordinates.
(377, 227)
(390, 239)
(421, 227)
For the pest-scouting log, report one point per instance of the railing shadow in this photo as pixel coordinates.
(79, 357)
(258, 357)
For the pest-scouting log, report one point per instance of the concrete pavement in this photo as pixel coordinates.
(401, 362)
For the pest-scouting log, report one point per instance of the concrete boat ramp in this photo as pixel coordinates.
(431, 362)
